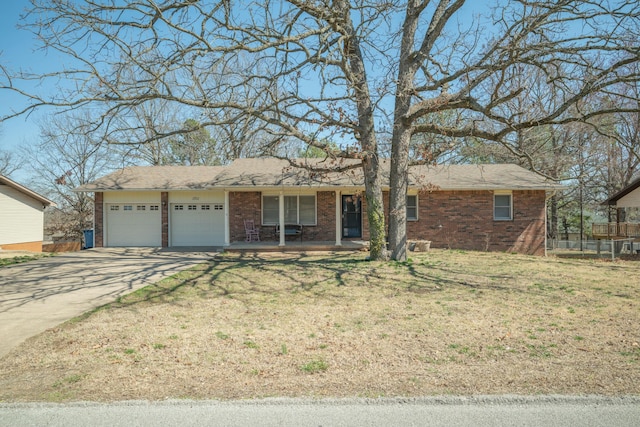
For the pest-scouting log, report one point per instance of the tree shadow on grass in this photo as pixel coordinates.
(239, 276)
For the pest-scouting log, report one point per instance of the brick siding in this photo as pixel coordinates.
(464, 220)
(248, 205)
(98, 207)
(244, 205)
(449, 219)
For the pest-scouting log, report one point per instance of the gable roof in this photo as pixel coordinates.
(137, 178)
(260, 173)
(21, 188)
(613, 200)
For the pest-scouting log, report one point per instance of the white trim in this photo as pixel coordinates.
(503, 193)
(281, 218)
(417, 218)
(281, 204)
(227, 235)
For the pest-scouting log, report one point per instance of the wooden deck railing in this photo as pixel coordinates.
(613, 229)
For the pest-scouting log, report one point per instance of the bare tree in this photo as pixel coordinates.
(66, 157)
(9, 163)
(338, 70)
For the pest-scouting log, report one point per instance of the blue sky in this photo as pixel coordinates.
(17, 49)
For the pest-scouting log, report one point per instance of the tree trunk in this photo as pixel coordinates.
(375, 209)
(399, 181)
(367, 137)
(553, 223)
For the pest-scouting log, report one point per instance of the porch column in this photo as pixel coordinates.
(227, 208)
(281, 217)
(98, 220)
(338, 218)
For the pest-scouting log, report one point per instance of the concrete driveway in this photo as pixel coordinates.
(41, 294)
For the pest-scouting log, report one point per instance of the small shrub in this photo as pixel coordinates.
(222, 335)
(315, 366)
(251, 344)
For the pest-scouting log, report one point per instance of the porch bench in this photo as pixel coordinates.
(290, 230)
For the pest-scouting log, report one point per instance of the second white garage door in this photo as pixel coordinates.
(197, 224)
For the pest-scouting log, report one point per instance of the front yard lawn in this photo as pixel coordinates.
(336, 325)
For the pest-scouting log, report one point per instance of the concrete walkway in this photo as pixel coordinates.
(41, 294)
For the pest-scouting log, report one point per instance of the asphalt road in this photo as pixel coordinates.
(495, 411)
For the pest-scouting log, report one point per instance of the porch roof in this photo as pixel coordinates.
(261, 173)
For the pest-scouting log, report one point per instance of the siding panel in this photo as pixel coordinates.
(21, 217)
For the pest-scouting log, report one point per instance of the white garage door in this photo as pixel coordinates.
(133, 224)
(197, 224)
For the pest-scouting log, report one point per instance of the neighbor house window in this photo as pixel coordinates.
(412, 208)
(502, 207)
(297, 210)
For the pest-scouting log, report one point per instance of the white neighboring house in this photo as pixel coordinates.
(21, 217)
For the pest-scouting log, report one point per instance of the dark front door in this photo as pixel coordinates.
(351, 216)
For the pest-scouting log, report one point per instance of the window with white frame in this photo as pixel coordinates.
(297, 210)
(270, 210)
(412, 208)
(502, 206)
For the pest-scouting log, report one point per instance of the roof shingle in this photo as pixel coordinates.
(271, 172)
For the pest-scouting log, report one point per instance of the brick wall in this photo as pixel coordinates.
(325, 228)
(98, 207)
(464, 220)
(248, 205)
(24, 246)
(245, 205)
(451, 219)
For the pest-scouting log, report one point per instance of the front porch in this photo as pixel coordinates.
(297, 246)
(615, 230)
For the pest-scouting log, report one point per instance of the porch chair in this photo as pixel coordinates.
(252, 233)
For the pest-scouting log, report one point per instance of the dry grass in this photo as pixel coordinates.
(447, 322)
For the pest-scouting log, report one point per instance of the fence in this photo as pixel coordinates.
(604, 248)
(620, 229)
